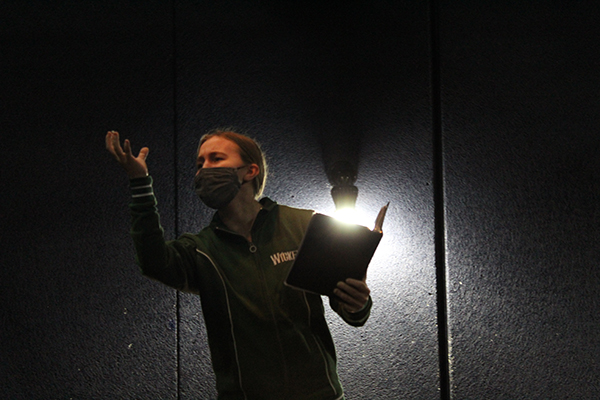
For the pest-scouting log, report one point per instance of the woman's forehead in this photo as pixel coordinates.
(219, 144)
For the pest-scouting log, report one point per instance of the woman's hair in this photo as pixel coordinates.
(250, 152)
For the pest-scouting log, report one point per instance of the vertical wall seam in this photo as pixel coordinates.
(176, 195)
(439, 203)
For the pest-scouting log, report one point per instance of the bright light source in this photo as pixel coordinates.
(346, 215)
(352, 216)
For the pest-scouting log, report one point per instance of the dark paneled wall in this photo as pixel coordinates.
(511, 90)
(520, 88)
(77, 320)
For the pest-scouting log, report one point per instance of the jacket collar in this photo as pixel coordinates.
(267, 206)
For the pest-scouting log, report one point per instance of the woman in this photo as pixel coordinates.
(267, 340)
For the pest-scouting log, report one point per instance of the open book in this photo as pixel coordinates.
(333, 251)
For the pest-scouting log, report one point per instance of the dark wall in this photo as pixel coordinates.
(77, 321)
(519, 93)
(501, 100)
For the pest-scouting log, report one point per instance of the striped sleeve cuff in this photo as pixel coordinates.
(141, 187)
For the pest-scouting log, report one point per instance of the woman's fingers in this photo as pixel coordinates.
(134, 166)
(354, 293)
(113, 146)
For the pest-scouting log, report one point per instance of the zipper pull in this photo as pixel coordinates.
(253, 248)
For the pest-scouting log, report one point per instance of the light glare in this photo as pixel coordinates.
(351, 216)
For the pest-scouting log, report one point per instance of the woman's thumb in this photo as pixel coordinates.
(144, 153)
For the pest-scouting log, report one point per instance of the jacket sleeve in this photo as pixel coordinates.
(170, 262)
(358, 318)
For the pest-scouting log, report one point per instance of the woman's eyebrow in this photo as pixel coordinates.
(211, 154)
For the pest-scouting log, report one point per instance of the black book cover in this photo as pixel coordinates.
(332, 251)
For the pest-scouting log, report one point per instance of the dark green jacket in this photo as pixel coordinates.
(267, 341)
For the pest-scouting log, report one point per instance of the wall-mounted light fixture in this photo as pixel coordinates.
(342, 175)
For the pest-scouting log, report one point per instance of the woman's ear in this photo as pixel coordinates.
(253, 171)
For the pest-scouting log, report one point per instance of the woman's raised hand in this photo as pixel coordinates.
(134, 166)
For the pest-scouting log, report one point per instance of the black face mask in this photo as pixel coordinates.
(216, 187)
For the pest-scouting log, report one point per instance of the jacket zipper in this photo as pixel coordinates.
(253, 249)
